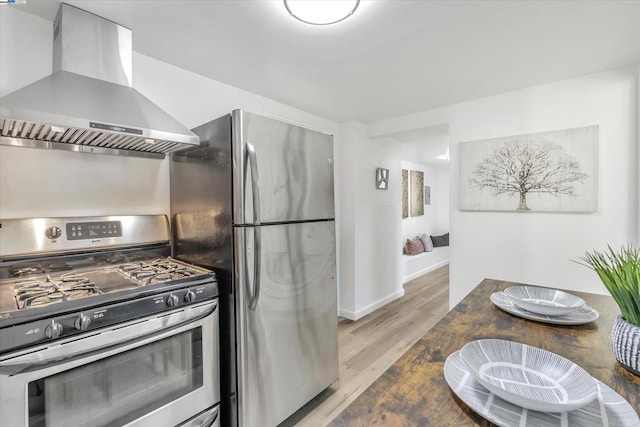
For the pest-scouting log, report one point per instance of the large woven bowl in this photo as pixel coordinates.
(527, 376)
(550, 302)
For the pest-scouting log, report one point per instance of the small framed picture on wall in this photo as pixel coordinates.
(382, 179)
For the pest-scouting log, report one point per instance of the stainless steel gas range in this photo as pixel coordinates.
(99, 326)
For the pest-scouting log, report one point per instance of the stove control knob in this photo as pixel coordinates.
(172, 300)
(53, 331)
(190, 296)
(82, 322)
(53, 232)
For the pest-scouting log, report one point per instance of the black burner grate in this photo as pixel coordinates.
(157, 271)
(45, 291)
(37, 268)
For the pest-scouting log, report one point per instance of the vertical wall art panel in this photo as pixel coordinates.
(405, 193)
(554, 171)
(416, 188)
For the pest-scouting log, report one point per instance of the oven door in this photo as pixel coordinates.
(157, 371)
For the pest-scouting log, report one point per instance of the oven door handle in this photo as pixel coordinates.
(135, 332)
(209, 420)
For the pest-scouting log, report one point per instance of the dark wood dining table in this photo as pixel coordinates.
(413, 391)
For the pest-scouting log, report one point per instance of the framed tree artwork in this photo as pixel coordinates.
(554, 171)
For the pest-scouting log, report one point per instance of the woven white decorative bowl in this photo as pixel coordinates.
(550, 302)
(527, 376)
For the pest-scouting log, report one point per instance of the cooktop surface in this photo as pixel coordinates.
(55, 283)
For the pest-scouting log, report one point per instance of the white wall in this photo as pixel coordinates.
(637, 138)
(537, 248)
(25, 53)
(371, 230)
(440, 199)
(378, 229)
(347, 176)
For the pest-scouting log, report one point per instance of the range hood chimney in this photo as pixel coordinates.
(88, 103)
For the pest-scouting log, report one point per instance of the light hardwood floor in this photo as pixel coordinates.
(369, 346)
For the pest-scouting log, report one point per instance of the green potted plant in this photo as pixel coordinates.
(619, 271)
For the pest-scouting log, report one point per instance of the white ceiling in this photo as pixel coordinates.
(427, 145)
(391, 58)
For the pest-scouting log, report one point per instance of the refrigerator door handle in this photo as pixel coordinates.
(250, 151)
(255, 187)
(253, 299)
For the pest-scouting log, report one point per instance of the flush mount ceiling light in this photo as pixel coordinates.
(321, 12)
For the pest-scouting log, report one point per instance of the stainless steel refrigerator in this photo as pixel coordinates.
(254, 202)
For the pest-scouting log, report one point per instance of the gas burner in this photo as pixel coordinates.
(163, 264)
(156, 271)
(176, 274)
(182, 273)
(119, 258)
(41, 292)
(132, 266)
(34, 269)
(25, 271)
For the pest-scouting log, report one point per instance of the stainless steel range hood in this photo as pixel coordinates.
(88, 103)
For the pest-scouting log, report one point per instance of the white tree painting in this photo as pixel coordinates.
(548, 171)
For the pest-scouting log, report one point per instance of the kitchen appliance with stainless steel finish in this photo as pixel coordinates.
(89, 104)
(100, 326)
(254, 202)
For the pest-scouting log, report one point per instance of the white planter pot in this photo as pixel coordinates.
(625, 342)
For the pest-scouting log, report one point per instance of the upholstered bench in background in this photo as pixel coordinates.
(424, 253)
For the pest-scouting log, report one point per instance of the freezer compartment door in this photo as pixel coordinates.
(288, 347)
(294, 168)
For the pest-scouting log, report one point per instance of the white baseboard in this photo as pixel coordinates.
(351, 315)
(424, 271)
(347, 314)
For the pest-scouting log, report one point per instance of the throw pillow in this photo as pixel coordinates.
(426, 241)
(440, 240)
(413, 246)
